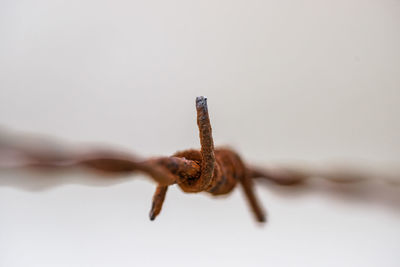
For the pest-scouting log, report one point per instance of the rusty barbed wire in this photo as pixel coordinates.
(213, 170)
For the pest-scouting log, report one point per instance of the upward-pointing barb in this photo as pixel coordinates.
(219, 172)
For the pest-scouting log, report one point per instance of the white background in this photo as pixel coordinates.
(316, 81)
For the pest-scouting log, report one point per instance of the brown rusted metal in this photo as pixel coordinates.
(158, 200)
(215, 171)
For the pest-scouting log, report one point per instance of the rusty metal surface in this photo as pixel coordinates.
(216, 171)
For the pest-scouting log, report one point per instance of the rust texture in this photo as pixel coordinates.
(216, 171)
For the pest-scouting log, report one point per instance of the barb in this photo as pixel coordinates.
(158, 200)
(207, 143)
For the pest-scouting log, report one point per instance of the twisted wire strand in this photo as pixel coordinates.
(26, 151)
(342, 174)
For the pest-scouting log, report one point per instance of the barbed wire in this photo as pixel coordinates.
(213, 170)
